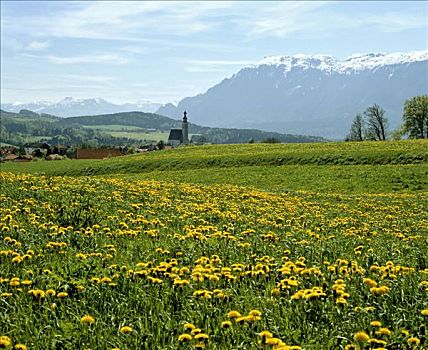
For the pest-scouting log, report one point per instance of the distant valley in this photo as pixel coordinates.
(127, 128)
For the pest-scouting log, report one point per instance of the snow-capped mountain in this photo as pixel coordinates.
(70, 107)
(317, 95)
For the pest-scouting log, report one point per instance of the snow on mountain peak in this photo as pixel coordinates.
(356, 62)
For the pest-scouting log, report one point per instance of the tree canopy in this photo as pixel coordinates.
(415, 117)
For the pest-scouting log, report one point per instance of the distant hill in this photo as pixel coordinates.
(316, 95)
(29, 125)
(162, 123)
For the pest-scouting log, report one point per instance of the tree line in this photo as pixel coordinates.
(372, 124)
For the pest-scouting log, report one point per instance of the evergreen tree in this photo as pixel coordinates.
(356, 132)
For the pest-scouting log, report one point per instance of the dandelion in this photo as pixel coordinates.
(341, 301)
(50, 292)
(413, 341)
(369, 282)
(125, 329)
(4, 341)
(361, 337)
(226, 324)
(185, 337)
(424, 312)
(62, 295)
(255, 313)
(87, 319)
(200, 346)
(233, 314)
(265, 334)
(383, 331)
(375, 323)
(20, 347)
(201, 336)
(196, 331)
(189, 327)
(273, 341)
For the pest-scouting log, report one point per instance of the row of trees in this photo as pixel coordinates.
(373, 124)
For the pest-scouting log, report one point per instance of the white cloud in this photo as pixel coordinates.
(313, 19)
(94, 59)
(38, 45)
(121, 20)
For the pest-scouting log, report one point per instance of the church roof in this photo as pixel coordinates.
(176, 135)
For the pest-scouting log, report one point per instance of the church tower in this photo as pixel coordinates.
(185, 128)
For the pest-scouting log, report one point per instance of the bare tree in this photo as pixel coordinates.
(376, 121)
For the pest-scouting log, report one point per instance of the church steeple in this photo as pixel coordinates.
(185, 128)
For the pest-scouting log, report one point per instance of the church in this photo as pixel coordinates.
(180, 136)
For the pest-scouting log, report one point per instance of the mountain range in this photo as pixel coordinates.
(70, 107)
(312, 95)
(302, 94)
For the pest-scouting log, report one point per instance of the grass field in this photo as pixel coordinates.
(319, 246)
(131, 132)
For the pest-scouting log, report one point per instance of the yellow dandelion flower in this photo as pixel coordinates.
(38, 293)
(20, 347)
(196, 331)
(226, 324)
(413, 341)
(273, 341)
(361, 337)
(201, 336)
(233, 314)
(200, 346)
(50, 292)
(424, 312)
(87, 319)
(255, 313)
(375, 323)
(369, 282)
(4, 341)
(377, 341)
(265, 334)
(125, 329)
(341, 301)
(62, 295)
(189, 327)
(351, 347)
(383, 331)
(185, 337)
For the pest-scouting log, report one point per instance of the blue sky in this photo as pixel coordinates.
(164, 51)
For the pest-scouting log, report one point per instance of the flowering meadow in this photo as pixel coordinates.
(123, 263)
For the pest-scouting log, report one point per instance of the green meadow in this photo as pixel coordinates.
(256, 246)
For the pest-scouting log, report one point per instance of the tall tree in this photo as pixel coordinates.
(356, 132)
(376, 121)
(415, 117)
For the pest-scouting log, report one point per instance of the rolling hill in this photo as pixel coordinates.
(21, 127)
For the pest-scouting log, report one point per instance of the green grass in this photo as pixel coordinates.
(152, 136)
(225, 156)
(314, 178)
(114, 127)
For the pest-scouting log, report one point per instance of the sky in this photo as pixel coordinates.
(164, 51)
